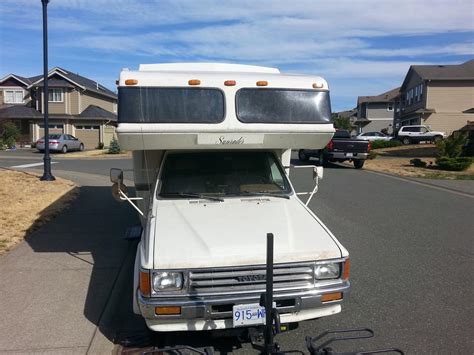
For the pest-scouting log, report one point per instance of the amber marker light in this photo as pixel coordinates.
(346, 269)
(145, 284)
(262, 83)
(328, 297)
(229, 83)
(131, 82)
(167, 311)
(194, 82)
(317, 85)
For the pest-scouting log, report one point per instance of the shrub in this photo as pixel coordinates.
(10, 134)
(2, 145)
(385, 144)
(451, 147)
(114, 147)
(418, 163)
(100, 146)
(33, 144)
(454, 164)
(373, 155)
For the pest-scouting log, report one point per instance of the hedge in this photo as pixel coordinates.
(454, 164)
(377, 144)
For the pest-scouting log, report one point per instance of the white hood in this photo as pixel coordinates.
(195, 234)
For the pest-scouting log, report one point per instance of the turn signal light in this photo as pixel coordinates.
(346, 269)
(369, 147)
(167, 311)
(145, 284)
(131, 82)
(262, 83)
(229, 83)
(328, 297)
(330, 145)
(194, 82)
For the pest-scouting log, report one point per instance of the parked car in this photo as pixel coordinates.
(373, 136)
(61, 143)
(419, 133)
(340, 148)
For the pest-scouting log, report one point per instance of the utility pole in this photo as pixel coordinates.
(47, 175)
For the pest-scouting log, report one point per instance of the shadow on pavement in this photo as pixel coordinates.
(89, 235)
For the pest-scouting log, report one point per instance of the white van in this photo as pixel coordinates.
(211, 152)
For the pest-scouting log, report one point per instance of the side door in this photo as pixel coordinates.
(72, 142)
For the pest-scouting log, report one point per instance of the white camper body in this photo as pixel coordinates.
(211, 152)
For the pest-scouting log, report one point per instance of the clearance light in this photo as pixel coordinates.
(116, 82)
(328, 297)
(262, 83)
(167, 311)
(194, 82)
(229, 83)
(145, 285)
(317, 85)
(346, 269)
(131, 82)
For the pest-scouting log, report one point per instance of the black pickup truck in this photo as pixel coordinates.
(340, 148)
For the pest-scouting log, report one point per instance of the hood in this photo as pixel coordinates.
(199, 233)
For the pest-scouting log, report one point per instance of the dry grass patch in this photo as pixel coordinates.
(26, 203)
(402, 167)
(412, 150)
(95, 154)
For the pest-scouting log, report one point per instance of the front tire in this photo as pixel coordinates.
(302, 155)
(81, 147)
(64, 149)
(406, 140)
(358, 164)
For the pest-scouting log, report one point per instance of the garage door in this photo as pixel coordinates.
(53, 129)
(89, 135)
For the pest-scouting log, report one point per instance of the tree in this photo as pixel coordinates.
(341, 122)
(114, 147)
(10, 133)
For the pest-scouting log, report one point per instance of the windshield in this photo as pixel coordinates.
(222, 174)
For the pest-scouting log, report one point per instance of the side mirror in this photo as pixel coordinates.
(116, 176)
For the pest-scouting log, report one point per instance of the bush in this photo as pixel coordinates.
(378, 144)
(373, 155)
(2, 145)
(33, 144)
(100, 146)
(451, 147)
(114, 147)
(10, 134)
(454, 164)
(418, 163)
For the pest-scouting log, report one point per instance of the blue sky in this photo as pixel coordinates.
(362, 47)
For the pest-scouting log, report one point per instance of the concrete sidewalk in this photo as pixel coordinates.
(55, 286)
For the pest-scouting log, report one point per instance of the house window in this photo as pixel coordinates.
(390, 106)
(13, 96)
(55, 95)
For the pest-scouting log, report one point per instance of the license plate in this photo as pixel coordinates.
(248, 314)
(349, 155)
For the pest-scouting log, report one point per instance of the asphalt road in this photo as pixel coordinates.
(411, 253)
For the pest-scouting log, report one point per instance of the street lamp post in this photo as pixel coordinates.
(47, 175)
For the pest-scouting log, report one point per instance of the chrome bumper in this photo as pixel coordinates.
(220, 307)
(342, 155)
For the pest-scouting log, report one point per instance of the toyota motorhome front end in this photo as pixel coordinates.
(211, 152)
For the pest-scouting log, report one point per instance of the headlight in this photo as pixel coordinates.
(167, 281)
(327, 271)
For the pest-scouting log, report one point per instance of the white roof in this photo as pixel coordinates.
(207, 67)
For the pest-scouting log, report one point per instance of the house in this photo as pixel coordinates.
(441, 96)
(77, 105)
(350, 115)
(375, 113)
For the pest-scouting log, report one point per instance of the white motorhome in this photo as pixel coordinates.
(211, 150)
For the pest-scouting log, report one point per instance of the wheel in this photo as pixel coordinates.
(437, 139)
(64, 149)
(321, 160)
(81, 147)
(406, 140)
(302, 156)
(358, 164)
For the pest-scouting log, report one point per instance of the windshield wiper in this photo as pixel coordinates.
(264, 193)
(191, 194)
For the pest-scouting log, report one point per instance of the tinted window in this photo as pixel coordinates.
(283, 106)
(222, 173)
(170, 105)
(342, 134)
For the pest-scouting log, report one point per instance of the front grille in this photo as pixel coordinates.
(249, 279)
